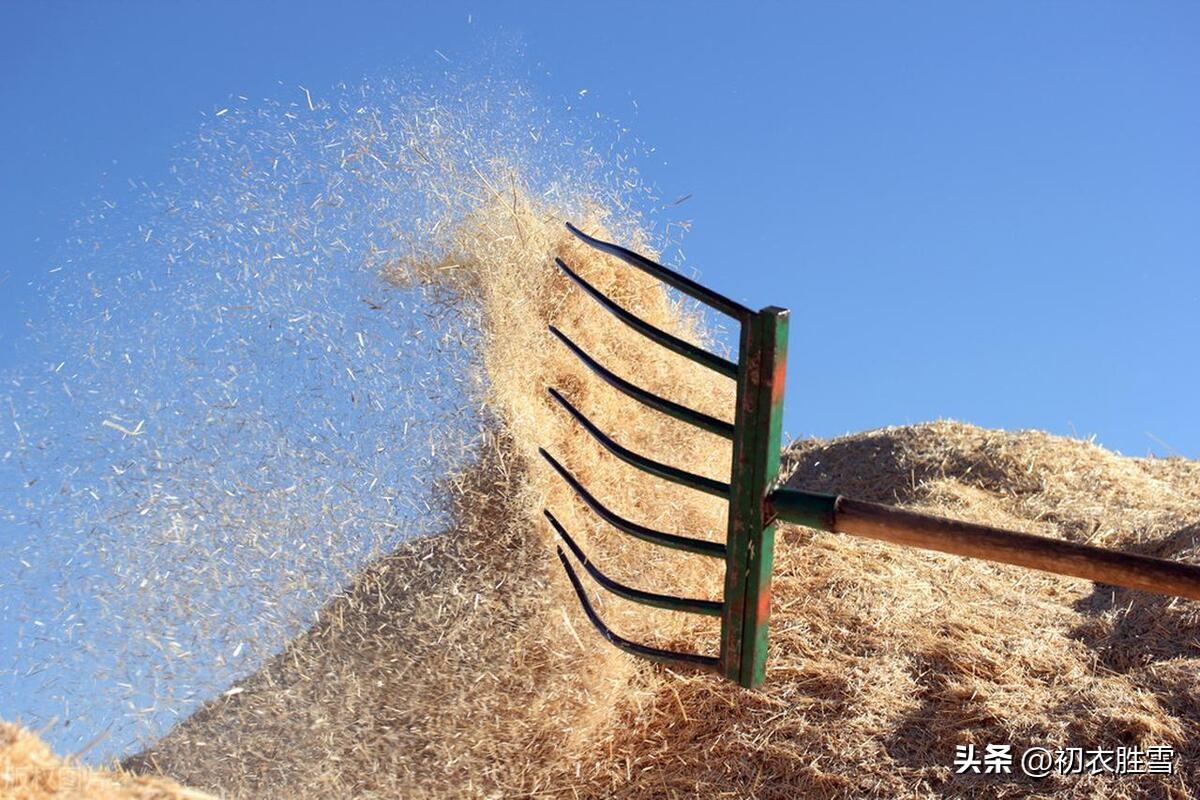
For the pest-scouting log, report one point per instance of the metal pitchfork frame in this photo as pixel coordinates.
(756, 502)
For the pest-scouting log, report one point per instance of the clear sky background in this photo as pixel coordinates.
(985, 211)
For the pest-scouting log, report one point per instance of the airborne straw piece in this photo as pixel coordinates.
(116, 426)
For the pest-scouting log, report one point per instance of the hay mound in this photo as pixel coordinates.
(30, 771)
(459, 665)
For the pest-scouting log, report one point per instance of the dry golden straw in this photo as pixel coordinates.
(459, 666)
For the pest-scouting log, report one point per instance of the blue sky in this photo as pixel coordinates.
(985, 211)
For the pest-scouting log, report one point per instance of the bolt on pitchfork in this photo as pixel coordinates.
(756, 502)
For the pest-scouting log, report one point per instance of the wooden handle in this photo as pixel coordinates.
(888, 524)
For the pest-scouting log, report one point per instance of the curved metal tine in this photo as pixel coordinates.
(670, 408)
(672, 343)
(660, 470)
(698, 546)
(668, 276)
(669, 602)
(694, 660)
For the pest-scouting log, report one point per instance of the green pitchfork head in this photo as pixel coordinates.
(754, 434)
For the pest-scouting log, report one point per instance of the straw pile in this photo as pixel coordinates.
(29, 771)
(460, 666)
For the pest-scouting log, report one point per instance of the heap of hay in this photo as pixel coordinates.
(30, 771)
(460, 665)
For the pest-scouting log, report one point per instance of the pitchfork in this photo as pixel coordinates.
(756, 501)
